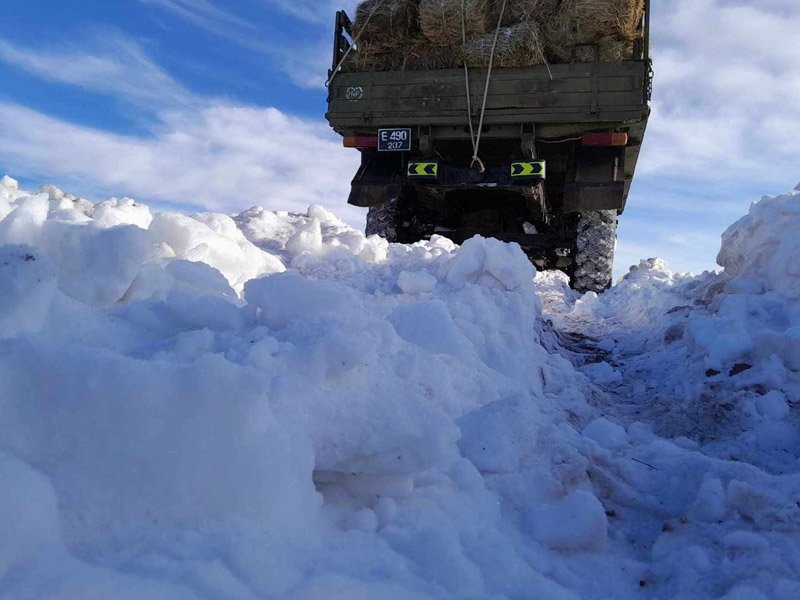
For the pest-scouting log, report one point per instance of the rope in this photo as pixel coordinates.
(476, 138)
(355, 41)
(477, 145)
(466, 79)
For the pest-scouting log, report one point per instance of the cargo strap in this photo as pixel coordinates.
(356, 38)
(476, 138)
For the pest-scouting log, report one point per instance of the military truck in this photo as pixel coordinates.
(558, 146)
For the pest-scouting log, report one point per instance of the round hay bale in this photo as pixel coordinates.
(372, 56)
(423, 56)
(440, 20)
(386, 22)
(517, 47)
(612, 50)
(518, 11)
(579, 22)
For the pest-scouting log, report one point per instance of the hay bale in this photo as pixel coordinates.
(385, 28)
(386, 22)
(518, 11)
(586, 53)
(579, 22)
(373, 57)
(423, 57)
(518, 47)
(613, 49)
(440, 20)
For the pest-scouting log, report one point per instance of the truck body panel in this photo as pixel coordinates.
(579, 94)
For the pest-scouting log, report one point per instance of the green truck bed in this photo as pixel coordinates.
(556, 97)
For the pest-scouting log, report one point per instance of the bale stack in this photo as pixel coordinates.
(387, 28)
(611, 26)
(427, 34)
(518, 46)
(441, 23)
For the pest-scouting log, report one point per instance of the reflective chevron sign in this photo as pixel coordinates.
(528, 169)
(423, 169)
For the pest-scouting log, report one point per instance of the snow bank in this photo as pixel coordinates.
(757, 253)
(272, 405)
(708, 399)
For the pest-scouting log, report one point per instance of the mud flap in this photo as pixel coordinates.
(368, 195)
(597, 181)
(580, 197)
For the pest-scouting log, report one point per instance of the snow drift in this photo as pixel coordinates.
(273, 405)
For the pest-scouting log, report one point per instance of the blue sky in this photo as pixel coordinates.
(205, 104)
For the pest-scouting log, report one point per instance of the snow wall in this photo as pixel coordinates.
(271, 405)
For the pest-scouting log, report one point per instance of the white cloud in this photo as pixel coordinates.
(313, 11)
(222, 157)
(202, 13)
(304, 61)
(202, 151)
(115, 66)
(727, 79)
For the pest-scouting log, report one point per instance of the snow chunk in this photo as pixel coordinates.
(710, 504)
(416, 282)
(490, 262)
(285, 298)
(27, 290)
(216, 240)
(28, 514)
(744, 592)
(24, 224)
(115, 212)
(430, 326)
(94, 265)
(307, 239)
(578, 522)
(609, 435)
(745, 540)
(773, 405)
(9, 182)
(602, 373)
(756, 250)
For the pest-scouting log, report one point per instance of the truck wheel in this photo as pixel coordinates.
(384, 220)
(595, 244)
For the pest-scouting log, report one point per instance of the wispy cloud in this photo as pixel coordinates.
(114, 66)
(222, 157)
(202, 13)
(203, 151)
(312, 11)
(727, 80)
(305, 61)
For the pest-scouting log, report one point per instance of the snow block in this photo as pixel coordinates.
(28, 514)
(27, 290)
(285, 298)
(578, 522)
(9, 182)
(416, 282)
(609, 435)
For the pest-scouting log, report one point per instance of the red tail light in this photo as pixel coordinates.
(357, 141)
(604, 139)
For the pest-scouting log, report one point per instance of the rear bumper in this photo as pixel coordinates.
(375, 184)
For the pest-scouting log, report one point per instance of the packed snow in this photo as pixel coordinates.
(272, 405)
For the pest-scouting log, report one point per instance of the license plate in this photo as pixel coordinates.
(394, 140)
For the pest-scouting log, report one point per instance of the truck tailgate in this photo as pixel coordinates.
(578, 92)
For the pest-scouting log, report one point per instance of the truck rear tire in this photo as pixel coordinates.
(595, 244)
(384, 220)
(403, 220)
